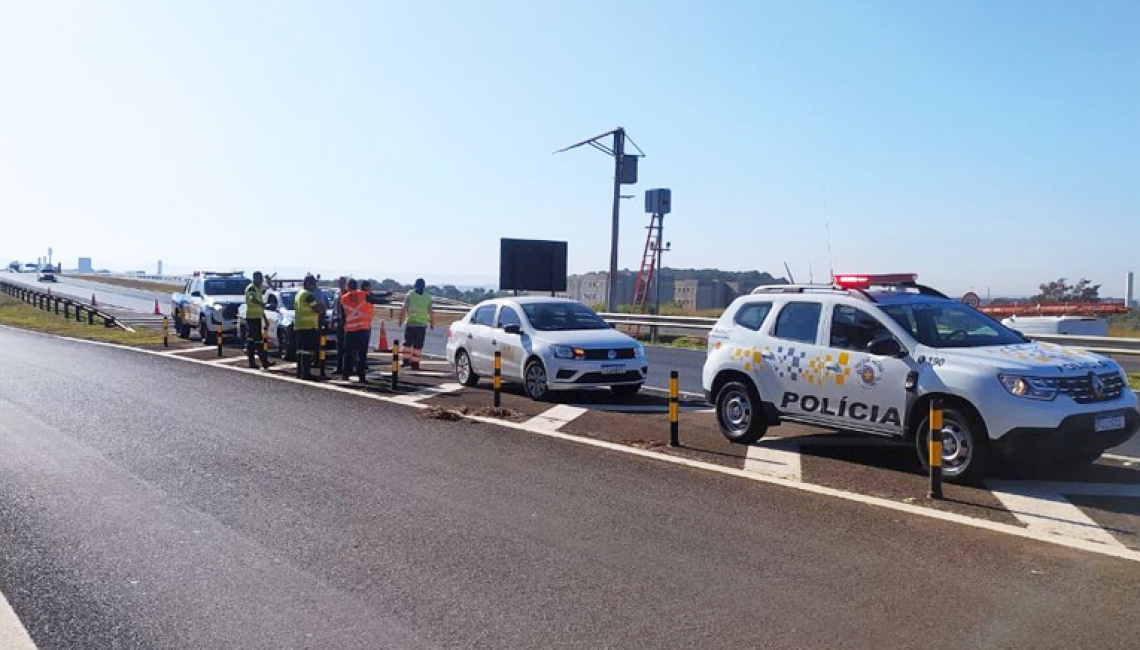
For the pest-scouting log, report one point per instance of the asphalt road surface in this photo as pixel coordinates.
(149, 503)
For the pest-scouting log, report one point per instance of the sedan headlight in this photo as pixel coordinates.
(563, 352)
(1029, 387)
(639, 350)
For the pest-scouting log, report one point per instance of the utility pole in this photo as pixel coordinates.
(625, 173)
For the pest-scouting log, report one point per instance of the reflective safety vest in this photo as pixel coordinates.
(418, 305)
(254, 299)
(357, 311)
(306, 317)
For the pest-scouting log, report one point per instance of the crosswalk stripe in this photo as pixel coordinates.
(13, 636)
(1050, 513)
(426, 393)
(555, 417)
(775, 458)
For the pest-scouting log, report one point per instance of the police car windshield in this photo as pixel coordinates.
(946, 324)
(287, 299)
(560, 316)
(227, 287)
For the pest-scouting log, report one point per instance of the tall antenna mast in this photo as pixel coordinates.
(827, 228)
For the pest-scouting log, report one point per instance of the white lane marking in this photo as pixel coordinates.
(1049, 513)
(775, 458)
(1070, 487)
(682, 393)
(424, 373)
(1011, 530)
(225, 360)
(1126, 459)
(181, 351)
(555, 417)
(433, 391)
(835, 440)
(13, 636)
(643, 408)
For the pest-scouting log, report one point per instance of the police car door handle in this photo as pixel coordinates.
(768, 355)
(831, 366)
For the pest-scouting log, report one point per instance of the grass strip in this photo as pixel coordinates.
(1134, 379)
(17, 313)
(157, 287)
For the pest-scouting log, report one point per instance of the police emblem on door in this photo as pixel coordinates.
(869, 372)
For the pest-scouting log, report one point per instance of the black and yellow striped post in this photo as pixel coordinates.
(265, 337)
(497, 379)
(165, 332)
(934, 449)
(218, 337)
(322, 355)
(395, 364)
(674, 410)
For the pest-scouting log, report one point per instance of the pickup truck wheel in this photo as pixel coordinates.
(204, 333)
(965, 446)
(739, 414)
(464, 373)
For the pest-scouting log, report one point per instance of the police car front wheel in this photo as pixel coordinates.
(965, 446)
(739, 414)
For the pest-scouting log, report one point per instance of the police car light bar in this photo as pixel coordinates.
(862, 281)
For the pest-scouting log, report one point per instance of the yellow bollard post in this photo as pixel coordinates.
(321, 343)
(497, 380)
(395, 365)
(265, 337)
(674, 410)
(935, 448)
(218, 337)
(165, 332)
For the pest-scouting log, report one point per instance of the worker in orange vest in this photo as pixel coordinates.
(357, 309)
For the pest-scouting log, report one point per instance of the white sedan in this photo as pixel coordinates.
(545, 344)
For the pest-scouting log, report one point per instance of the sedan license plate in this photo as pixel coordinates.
(618, 368)
(1109, 423)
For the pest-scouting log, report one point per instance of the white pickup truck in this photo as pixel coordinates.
(208, 299)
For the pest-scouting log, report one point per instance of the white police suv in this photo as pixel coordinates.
(869, 352)
(546, 344)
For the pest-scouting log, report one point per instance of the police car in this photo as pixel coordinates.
(869, 352)
(546, 344)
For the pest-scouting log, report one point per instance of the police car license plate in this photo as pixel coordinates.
(618, 368)
(1109, 423)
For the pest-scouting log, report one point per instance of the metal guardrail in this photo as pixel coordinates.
(1099, 344)
(49, 303)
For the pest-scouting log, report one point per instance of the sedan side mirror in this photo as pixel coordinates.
(887, 347)
(512, 329)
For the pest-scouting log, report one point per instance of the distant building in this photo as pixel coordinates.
(590, 288)
(84, 265)
(696, 295)
(159, 268)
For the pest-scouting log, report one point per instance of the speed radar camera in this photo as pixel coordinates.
(658, 201)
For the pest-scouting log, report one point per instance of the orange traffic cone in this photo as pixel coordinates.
(93, 303)
(382, 342)
(157, 311)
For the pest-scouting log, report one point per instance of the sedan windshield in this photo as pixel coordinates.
(559, 316)
(946, 324)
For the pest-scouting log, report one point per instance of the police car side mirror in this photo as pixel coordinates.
(512, 329)
(195, 294)
(887, 347)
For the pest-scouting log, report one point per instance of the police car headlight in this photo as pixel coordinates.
(638, 350)
(563, 352)
(216, 307)
(1029, 387)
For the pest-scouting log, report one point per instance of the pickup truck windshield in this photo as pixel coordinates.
(950, 325)
(226, 287)
(558, 316)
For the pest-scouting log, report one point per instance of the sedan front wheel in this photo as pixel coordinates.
(534, 381)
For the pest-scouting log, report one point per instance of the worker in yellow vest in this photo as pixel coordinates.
(254, 313)
(306, 326)
(418, 315)
(357, 313)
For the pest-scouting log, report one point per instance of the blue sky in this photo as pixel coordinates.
(981, 144)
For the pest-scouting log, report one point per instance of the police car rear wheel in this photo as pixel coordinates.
(463, 372)
(965, 448)
(738, 413)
